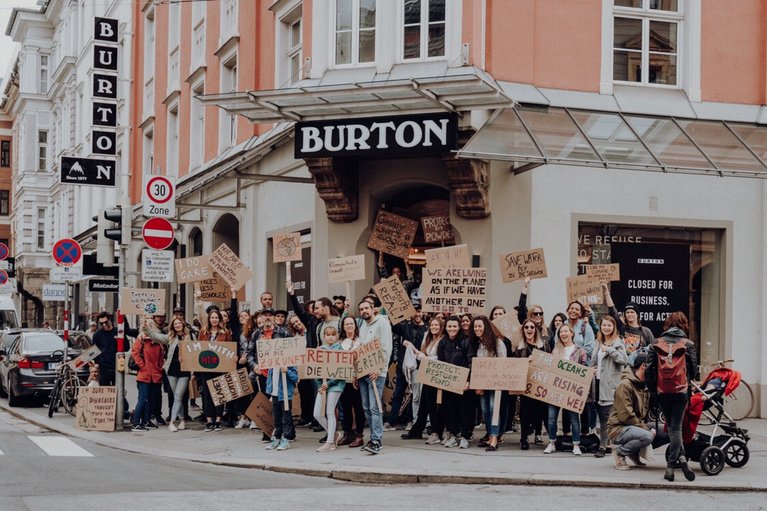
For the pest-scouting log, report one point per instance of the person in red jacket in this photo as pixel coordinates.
(149, 356)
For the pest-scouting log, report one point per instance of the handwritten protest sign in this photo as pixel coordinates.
(437, 229)
(369, 358)
(96, 408)
(522, 264)
(492, 373)
(395, 299)
(208, 357)
(585, 289)
(192, 269)
(454, 290)
(229, 267)
(558, 382)
(442, 375)
(142, 301)
(605, 272)
(260, 412)
(286, 247)
(507, 325)
(329, 364)
(85, 357)
(213, 289)
(285, 352)
(392, 234)
(230, 386)
(456, 256)
(344, 269)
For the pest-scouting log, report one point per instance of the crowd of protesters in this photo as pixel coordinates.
(614, 420)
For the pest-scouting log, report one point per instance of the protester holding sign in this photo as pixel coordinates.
(149, 356)
(212, 331)
(455, 349)
(610, 359)
(532, 413)
(565, 349)
(511, 402)
(536, 314)
(635, 335)
(307, 389)
(412, 331)
(328, 395)
(243, 334)
(351, 400)
(283, 419)
(488, 345)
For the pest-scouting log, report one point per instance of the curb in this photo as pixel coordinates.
(380, 477)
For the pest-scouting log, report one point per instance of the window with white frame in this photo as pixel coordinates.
(148, 151)
(5, 202)
(646, 35)
(228, 19)
(198, 34)
(355, 31)
(196, 127)
(295, 50)
(41, 229)
(171, 154)
(227, 121)
(149, 44)
(42, 82)
(42, 150)
(424, 28)
(174, 25)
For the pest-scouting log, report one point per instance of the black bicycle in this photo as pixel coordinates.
(65, 387)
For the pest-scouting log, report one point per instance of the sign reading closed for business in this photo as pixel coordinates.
(401, 135)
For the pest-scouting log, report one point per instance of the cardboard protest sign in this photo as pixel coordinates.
(605, 272)
(507, 325)
(522, 264)
(286, 247)
(442, 375)
(193, 269)
(454, 290)
(213, 289)
(344, 269)
(437, 229)
(208, 357)
(260, 412)
(329, 364)
(369, 358)
(229, 267)
(230, 386)
(395, 299)
(392, 234)
(142, 301)
(558, 382)
(96, 408)
(194, 390)
(284, 352)
(493, 373)
(456, 256)
(585, 289)
(85, 357)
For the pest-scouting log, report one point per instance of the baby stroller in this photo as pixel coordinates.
(727, 442)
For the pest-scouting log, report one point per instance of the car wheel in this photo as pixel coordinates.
(13, 400)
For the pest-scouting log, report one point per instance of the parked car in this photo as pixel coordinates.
(28, 363)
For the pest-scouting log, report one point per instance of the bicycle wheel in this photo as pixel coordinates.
(739, 404)
(53, 399)
(69, 391)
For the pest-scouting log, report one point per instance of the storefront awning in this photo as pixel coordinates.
(453, 93)
(530, 136)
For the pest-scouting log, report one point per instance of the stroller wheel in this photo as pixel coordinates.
(712, 460)
(737, 454)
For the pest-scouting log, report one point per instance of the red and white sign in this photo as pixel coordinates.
(158, 233)
(67, 252)
(158, 196)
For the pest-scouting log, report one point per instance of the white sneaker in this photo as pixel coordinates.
(409, 426)
(388, 427)
(181, 425)
(577, 450)
(433, 439)
(646, 454)
(550, 448)
(172, 427)
(252, 425)
(241, 423)
(447, 438)
(452, 442)
(464, 444)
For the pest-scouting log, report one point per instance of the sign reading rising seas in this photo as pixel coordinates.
(402, 135)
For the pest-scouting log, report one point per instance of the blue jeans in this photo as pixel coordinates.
(575, 424)
(179, 385)
(486, 401)
(144, 403)
(283, 419)
(631, 439)
(372, 412)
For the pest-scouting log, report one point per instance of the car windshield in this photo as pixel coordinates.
(43, 342)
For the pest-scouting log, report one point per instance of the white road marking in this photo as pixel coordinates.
(59, 446)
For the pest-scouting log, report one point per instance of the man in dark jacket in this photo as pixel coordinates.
(412, 331)
(306, 388)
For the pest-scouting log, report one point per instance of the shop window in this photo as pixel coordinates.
(663, 270)
(423, 29)
(355, 31)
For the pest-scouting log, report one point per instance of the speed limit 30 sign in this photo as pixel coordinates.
(159, 196)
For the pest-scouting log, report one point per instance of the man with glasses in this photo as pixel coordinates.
(105, 339)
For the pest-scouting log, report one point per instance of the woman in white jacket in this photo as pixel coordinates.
(609, 358)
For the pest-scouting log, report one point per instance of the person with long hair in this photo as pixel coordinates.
(511, 401)
(466, 325)
(351, 400)
(610, 360)
(245, 345)
(179, 380)
(532, 413)
(535, 312)
(557, 321)
(212, 330)
(566, 349)
(428, 407)
(455, 349)
(673, 402)
(488, 345)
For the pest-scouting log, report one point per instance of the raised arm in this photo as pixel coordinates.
(522, 306)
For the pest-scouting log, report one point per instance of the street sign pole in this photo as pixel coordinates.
(66, 322)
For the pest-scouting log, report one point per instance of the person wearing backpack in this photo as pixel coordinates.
(670, 367)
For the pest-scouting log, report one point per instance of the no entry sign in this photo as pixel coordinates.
(159, 196)
(158, 233)
(67, 252)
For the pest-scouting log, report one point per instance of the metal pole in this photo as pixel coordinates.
(66, 322)
(120, 372)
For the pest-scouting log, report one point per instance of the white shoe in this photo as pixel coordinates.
(172, 427)
(241, 423)
(577, 450)
(181, 425)
(464, 444)
(550, 448)
(452, 442)
(447, 438)
(433, 439)
(409, 426)
(253, 425)
(646, 454)
(388, 427)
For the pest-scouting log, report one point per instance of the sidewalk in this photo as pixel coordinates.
(410, 461)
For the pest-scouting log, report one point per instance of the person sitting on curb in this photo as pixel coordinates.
(626, 426)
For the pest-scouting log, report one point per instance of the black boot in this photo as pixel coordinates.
(523, 444)
(669, 475)
(686, 470)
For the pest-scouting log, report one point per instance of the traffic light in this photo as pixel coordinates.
(107, 232)
(114, 232)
